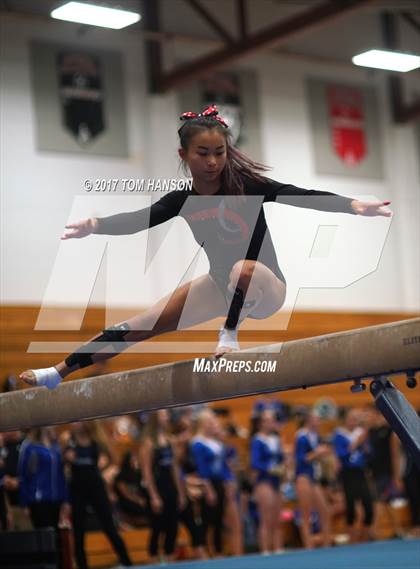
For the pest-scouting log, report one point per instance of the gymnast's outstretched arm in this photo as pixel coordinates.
(320, 200)
(129, 222)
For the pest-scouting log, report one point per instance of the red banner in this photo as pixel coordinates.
(347, 120)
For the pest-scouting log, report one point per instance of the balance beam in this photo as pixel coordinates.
(353, 355)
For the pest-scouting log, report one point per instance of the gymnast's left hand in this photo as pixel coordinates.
(371, 209)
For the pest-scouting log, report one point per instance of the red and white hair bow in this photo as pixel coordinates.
(210, 111)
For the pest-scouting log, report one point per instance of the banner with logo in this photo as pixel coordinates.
(345, 128)
(347, 123)
(81, 94)
(79, 100)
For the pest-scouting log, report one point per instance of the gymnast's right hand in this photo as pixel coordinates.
(80, 229)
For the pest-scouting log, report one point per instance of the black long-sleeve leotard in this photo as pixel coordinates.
(228, 228)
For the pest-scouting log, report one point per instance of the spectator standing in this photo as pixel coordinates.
(411, 480)
(232, 518)
(209, 455)
(162, 481)
(86, 449)
(19, 519)
(42, 486)
(309, 450)
(4, 515)
(266, 461)
(350, 442)
(193, 486)
(384, 465)
(129, 490)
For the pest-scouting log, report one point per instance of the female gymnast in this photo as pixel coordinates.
(309, 451)
(210, 457)
(224, 210)
(162, 480)
(85, 453)
(267, 459)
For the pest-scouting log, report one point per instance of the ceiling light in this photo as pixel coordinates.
(390, 60)
(95, 15)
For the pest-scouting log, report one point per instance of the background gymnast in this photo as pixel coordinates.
(224, 210)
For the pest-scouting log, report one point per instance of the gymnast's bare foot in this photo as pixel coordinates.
(28, 377)
(228, 342)
(48, 377)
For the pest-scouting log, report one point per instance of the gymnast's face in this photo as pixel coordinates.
(268, 422)
(164, 419)
(209, 424)
(79, 429)
(353, 419)
(314, 422)
(205, 156)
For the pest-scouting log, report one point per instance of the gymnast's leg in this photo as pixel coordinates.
(255, 292)
(264, 496)
(201, 298)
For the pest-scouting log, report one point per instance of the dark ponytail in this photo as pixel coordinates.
(238, 166)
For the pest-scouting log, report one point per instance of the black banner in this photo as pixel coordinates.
(80, 86)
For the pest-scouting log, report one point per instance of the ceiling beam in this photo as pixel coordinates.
(411, 20)
(241, 10)
(211, 20)
(169, 37)
(273, 35)
(153, 48)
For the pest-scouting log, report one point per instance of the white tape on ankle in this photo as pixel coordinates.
(49, 377)
(228, 339)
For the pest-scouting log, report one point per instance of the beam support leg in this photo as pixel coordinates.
(400, 415)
